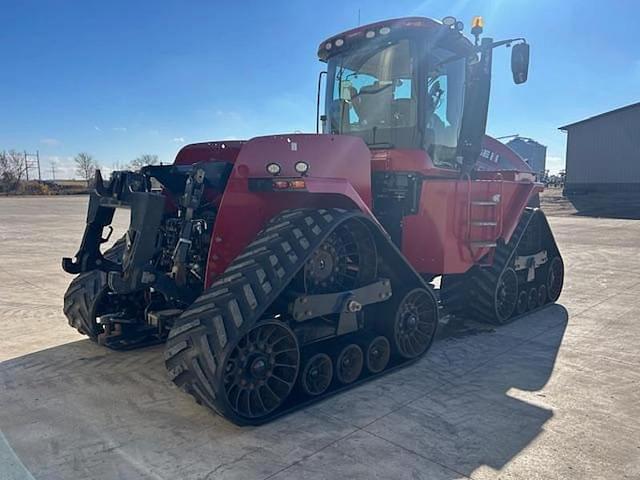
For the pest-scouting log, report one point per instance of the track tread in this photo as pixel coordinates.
(234, 303)
(471, 294)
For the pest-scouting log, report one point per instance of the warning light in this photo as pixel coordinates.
(477, 24)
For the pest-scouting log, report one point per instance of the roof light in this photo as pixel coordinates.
(385, 31)
(339, 42)
(328, 46)
(449, 21)
(370, 34)
(273, 168)
(301, 167)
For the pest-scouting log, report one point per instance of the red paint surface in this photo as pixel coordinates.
(339, 176)
(209, 152)
(435, 240)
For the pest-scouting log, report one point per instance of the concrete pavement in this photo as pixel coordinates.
(553, 395)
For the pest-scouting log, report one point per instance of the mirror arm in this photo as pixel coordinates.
(507, 42)
(480, 49)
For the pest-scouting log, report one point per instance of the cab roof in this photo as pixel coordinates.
(329, 46)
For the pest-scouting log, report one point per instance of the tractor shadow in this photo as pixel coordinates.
(78, 410)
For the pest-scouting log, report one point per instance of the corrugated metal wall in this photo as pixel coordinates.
(605, 150)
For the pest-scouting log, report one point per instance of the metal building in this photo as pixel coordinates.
(532, 152)
(603, 152)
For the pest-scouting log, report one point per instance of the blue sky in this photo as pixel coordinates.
(121, 78)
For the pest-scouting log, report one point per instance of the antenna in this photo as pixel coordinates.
(358, 17)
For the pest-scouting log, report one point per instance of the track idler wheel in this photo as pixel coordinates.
(414, 324)
(506, 295)
(523, 302)
(542, 295)
(349, 364)
(533, 298)
(555, 278)
(317, 374)
(261, 370)
(378, 354)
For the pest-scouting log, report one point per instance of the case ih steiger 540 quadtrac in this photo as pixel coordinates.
(286, 268)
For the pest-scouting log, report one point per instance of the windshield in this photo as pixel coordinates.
(372, 91)
(382, 94)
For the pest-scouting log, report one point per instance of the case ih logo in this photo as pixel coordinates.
(490, 156)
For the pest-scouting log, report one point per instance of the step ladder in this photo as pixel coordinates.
(484, 221)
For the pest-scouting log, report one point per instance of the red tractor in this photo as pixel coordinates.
(286, 268)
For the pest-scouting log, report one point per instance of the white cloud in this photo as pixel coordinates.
(97, 128)
(63, 167)
(554, 164)
(178, 139)
(50, 142)
(119, 129)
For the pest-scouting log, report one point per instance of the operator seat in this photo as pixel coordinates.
(373, 104)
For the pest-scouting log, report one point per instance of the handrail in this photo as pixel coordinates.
(467, 235)
(500, 219)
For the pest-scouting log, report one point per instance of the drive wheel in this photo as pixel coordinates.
(523, 302)
(533, 298)
(542, 295)
(506, 295)
(378, 354)
(349, 364)
(317, 374)
(347, 259)
(555, 279)
(415, 323)
(261, 370)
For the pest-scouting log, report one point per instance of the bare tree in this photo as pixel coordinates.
(143, 160)
(85, 166)
(12, 169)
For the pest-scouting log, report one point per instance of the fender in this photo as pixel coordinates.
(339, 175)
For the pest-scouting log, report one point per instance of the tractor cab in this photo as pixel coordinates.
(411, 83)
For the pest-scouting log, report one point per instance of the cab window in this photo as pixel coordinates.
(445, 97)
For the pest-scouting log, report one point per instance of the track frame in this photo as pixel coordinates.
(203, 337)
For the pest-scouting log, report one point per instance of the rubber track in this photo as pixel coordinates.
(80, 297)
(205, 334)
(472, 293)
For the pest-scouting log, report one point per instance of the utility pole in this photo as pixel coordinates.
(53, 170)
(29, 162)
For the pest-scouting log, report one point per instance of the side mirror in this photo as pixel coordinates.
(520, 62)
